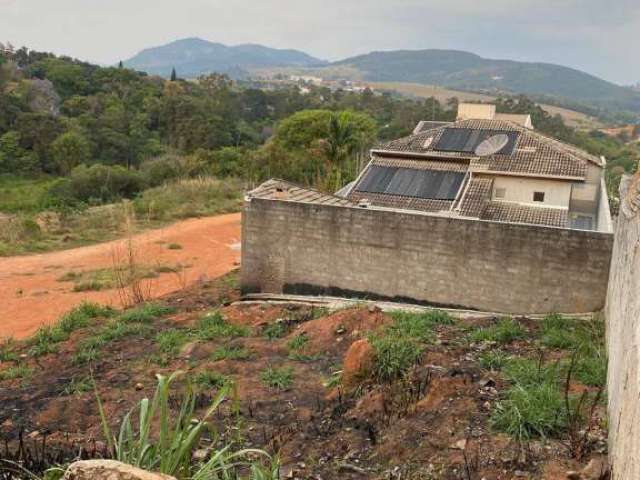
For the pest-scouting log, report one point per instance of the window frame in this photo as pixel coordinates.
(538, 195)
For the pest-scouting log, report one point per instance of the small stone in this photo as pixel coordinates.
(572, 475)
(139, 386)
(521, 474)
(340, 330)
(34, 434)
(460, 444)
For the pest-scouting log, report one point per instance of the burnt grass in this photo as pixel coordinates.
(432, 422)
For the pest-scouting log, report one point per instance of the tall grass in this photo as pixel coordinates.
(171, 450)
(190, 198)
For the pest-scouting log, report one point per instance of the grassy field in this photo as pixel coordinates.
(571, 117)
(25, 228)
(23, 195)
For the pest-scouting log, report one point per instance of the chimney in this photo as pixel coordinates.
(476, 111)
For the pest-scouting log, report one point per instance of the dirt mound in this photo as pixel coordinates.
(328, 333)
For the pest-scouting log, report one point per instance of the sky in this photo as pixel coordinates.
(596, 36)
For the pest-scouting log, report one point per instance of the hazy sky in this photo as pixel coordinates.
(598, 36)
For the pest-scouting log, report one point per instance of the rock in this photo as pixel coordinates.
(596, 469)
(358, 363)
(459, 445)
(109, 470)
(139, 386)
(571, 475)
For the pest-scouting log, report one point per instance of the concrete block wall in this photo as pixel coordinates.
(623, 338)
(290, 247)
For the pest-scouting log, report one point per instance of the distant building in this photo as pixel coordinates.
(482, 213)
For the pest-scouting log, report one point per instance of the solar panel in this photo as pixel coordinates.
(466, 140)
(407, 182)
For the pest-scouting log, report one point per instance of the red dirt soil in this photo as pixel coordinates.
(31, 295)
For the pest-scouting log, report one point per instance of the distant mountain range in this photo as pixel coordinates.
(192, 57)
(447, 68)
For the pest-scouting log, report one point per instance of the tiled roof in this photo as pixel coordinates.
(421, 164)
(401, 202)
(476, 197)
(275, 189)
(512, 213)
(477, 203)
(425, 125)
(535, 154)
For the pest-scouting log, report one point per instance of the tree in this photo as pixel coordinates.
(70, 150)
(120, 66)
(174, 77)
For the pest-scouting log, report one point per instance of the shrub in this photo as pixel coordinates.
(494, 360)
(505, 331)
(96, 184)
(278, 378)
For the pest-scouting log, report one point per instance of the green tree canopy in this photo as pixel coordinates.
(70, 150)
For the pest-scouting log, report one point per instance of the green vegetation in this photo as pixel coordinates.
(171, 341)
(275, 330)
(208, 379)
(78, 386)
(213, 325)
(131, 322)
(506, 330)
(278, 378)
(109, 278)
(7, 350)
(178, 436)
(225, 352)
(145, 313)
(47, 338)
(174, 246)
(16, 371)
(400, 345)
(494, 360)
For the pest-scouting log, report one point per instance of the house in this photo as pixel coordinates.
(487, 166)
(481, 213)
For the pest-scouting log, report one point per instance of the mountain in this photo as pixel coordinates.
(467, 71)
(194, 56)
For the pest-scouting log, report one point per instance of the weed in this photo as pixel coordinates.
(170, 341)
(278, 378)
(174, 246)
(298, 343)
(7, 353)
(419, 325)
(171, 450)
(494, 360)
(213, 325)
(78, 386)
(145, 313)
(230, 353)
(275, 330)
(533, 410)
(210, 379)
(16, 371)
(591, 366)
(395, 354)
(505, 331)
(85, 356)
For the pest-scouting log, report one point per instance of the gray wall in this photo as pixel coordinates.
(623, 338)
(304, 248)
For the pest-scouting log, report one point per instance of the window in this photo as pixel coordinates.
(538, 196)
(500, 192)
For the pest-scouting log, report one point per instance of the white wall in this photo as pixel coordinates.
(520, 190)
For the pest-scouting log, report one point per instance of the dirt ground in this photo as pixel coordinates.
(431, 424)
(32, 295)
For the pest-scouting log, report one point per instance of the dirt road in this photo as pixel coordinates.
(31, 293)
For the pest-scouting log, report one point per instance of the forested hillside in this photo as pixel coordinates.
(88, 135)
